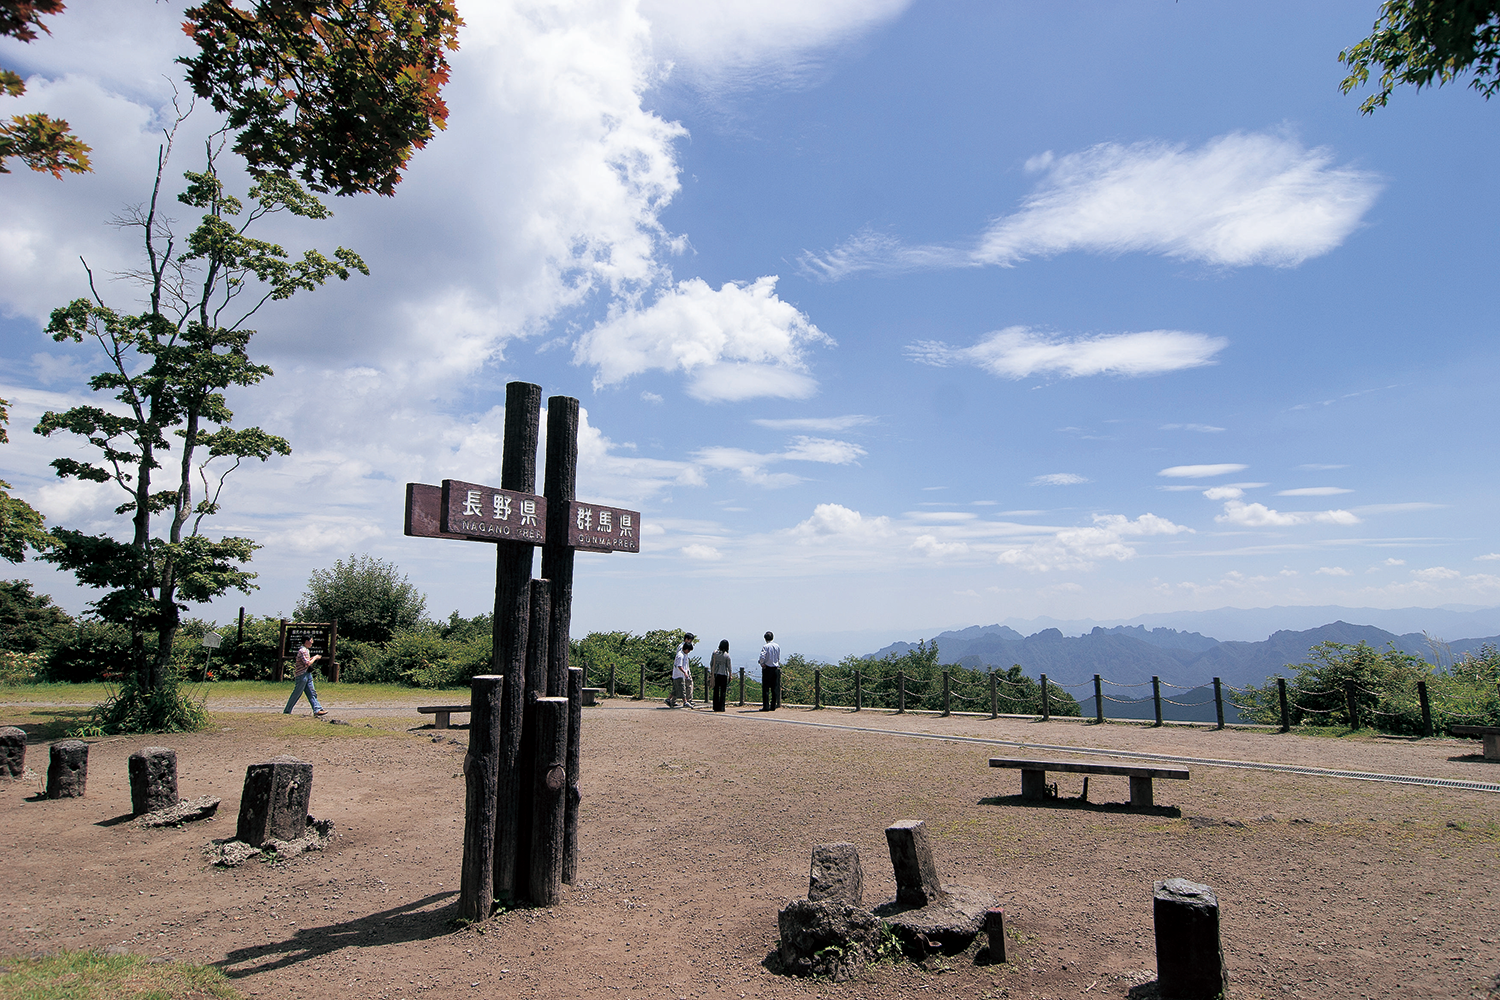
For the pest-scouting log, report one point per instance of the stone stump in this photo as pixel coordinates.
(68, 770)
(153, 779)
(827, 937)
(275, 801)
(911, 857)
(1189, 957)
(12, 752)
(836, 874)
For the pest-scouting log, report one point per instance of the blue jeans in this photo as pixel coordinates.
(304, 683)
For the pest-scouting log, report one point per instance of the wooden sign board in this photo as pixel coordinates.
(424, 513)
(490, 514)
(594, 527)
(294, 634)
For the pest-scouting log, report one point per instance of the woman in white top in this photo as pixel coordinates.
(682, 678)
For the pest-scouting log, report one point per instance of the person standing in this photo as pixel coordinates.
(682, 678)
(304, 680)
(720, 665)
(770, 675)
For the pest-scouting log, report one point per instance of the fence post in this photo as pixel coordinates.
(1219, 701)
(859, 694)
(611, 680)
(1351, 700)
(1046, 700)
(900, 691)
(742, 687)
(947, 704)
(640, 692)
(1426, 708)
(1156, 697)
(1286, 715)
(817, 689)
(1098, 700)
(994, 696)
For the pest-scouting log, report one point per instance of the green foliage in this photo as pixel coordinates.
(628, 653)
(1385, 689)
(20, 523)
(369, 599)
(1425, 43)
(42, 143)
(95, 650)
(21, 668)
(340, 91)
(169, 706)
(30, 622)
(92, 975)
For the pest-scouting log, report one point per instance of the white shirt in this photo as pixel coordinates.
(680, 666)
(770, 655)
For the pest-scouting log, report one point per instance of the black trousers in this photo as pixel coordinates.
(721, 691)
(770, 689)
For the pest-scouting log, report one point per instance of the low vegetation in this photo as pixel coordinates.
(92, 975)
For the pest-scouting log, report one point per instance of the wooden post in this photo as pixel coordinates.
(900, 691)
(549, 801)
(239, 638)
(859, 693)
(481, 773)
(611, 680)
(560, 487)
(511, 624)
(1156, 697)
(947, 703)
(281, 652)
(536, 687)
(742, 687)
(1426, 708)
(1098, 700)
(1046, 700)
(640, 692)
(817, 688)
(333, 652)
(1219, 701)
(1286, 715)
(1351, 701)
(575, 761)
(994, 695)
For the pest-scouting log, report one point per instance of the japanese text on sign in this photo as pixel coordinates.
(491, 514)
(596, 528)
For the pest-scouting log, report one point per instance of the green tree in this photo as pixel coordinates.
(369, 599)
(20, 523)
(1425, 43)
(41, 143)
(167, 368)
(30, 623)
(1385, 682)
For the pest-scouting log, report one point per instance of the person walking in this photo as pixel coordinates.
(720, 665)
(682, 678)
(770, 675)
(304, 675)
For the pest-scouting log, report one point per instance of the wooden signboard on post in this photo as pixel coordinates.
(325, 637)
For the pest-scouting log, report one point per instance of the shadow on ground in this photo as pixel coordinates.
(399, 924)
(1171, 812)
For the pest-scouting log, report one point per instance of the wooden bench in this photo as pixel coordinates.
(1034, 776)
(1490, 735)
(441, 713)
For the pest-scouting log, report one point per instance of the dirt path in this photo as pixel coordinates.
(697, 828)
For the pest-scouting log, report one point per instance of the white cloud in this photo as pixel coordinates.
(705, 553)
(1397, 508)
(752, 465)
(1200, 428)
(1256, 515)
(1018, 352)
(1435, 573)
(827, 450)
(1399, 562)
(1332, 571)
(738, 342)
(832, 520)
(1081, 548)
(1059, 479)
(1313, 491)
(827, 425)
(1487, 557)
(1201, 471)
(652, 398)
(1240, 199)
(929, 545)
(1222, 492)
(1315, 467)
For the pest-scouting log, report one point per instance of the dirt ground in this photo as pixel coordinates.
(697, 828)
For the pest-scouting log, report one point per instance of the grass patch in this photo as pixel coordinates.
(91, 975)
(46, 723)
(226, 694)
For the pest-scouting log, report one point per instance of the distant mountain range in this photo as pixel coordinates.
(1132, 654)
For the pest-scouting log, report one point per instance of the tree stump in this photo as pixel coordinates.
(549, 800)
(836, 874)
(12, 752)
(481, 783)
(275, 801)
(1189, 957)
(153, 779)
(68, 770)
(575, 763)
(911, 857)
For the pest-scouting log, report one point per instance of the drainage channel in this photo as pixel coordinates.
(1252, 765)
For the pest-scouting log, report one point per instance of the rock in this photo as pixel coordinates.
(275, 801)
(836, 874)
(182, 812)
(1189, 957)
(68, 771)
(337, 722)
(948, 925)
(232, 853)
(12, 752)
(827, 937)
(153, 779)
(319, 833)
(911, 857)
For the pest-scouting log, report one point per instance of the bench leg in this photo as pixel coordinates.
(1140, 793)
(1033, 784)
(441, 721)
(1492, 747)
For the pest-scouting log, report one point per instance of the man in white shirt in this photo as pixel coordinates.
(770, 675)
(682, 673)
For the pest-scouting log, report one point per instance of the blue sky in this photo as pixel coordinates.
(888, 317)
